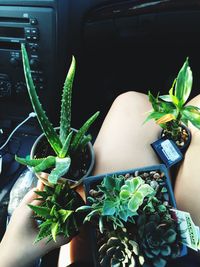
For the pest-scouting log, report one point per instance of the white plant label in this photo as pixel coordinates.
(191, 233)
(169, 151)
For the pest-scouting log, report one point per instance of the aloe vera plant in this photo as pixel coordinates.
(170, 111)
(66, 143)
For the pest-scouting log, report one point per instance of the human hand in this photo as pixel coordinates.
(17, 247)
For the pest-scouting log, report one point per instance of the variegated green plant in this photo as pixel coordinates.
(170, 111)
(66, 142)
(117, 200)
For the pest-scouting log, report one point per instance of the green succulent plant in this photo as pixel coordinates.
(118, 252)
(160, 239)
(64, 144)
(57, 214)
(170, 111)
(117, 200)
(133, 221)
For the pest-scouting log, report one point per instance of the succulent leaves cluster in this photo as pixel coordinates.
(118, 252)
(56, 212)
(169, 111)
(159, 234)
(66, 142)
(117, 200)
(133, 218)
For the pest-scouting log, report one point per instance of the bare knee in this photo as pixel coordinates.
(195, 101)
(132, 101)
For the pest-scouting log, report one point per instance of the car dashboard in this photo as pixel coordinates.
(118, 45)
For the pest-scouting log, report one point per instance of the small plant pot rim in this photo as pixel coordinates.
(98, 178)
(184, 148)
(43, 176)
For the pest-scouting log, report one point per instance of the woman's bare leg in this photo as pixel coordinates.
(187, 186)
(124, 141)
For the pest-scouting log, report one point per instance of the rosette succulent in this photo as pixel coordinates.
(159, 239)
(118, 252)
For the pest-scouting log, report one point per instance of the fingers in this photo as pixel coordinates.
(29, 197)
(40, 185)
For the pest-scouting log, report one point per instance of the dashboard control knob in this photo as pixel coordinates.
(14, 61)
(20, 87)
(34, 63)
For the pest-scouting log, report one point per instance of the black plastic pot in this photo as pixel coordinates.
(92, 182)
(83, 161)
(184, 148)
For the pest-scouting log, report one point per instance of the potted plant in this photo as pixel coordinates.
(130, 213)
(61, 150)
(61, 157)
(170, 111)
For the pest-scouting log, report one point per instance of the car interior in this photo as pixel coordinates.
(119, 45)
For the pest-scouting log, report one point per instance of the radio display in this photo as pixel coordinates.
(11, 32)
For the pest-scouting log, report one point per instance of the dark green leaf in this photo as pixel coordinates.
(159, 262)
(65, 116)
(45, 124)
(170, 236)
(47, 163)
(54, 230)
(40, 211)
(82, 131)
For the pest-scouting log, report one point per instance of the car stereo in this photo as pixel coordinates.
(35, 27)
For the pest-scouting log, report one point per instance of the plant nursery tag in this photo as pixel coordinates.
(167, 151)
(190, 232)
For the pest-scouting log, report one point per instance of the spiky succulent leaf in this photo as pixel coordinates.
(44, 231)
(47, 163)
(64, 214)
(43, 212)
(45, 124)
(65, 149)
(65, 116)
(85, 140)
(28, 161)
(82, 131)
(61, 168)
(54, 230)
